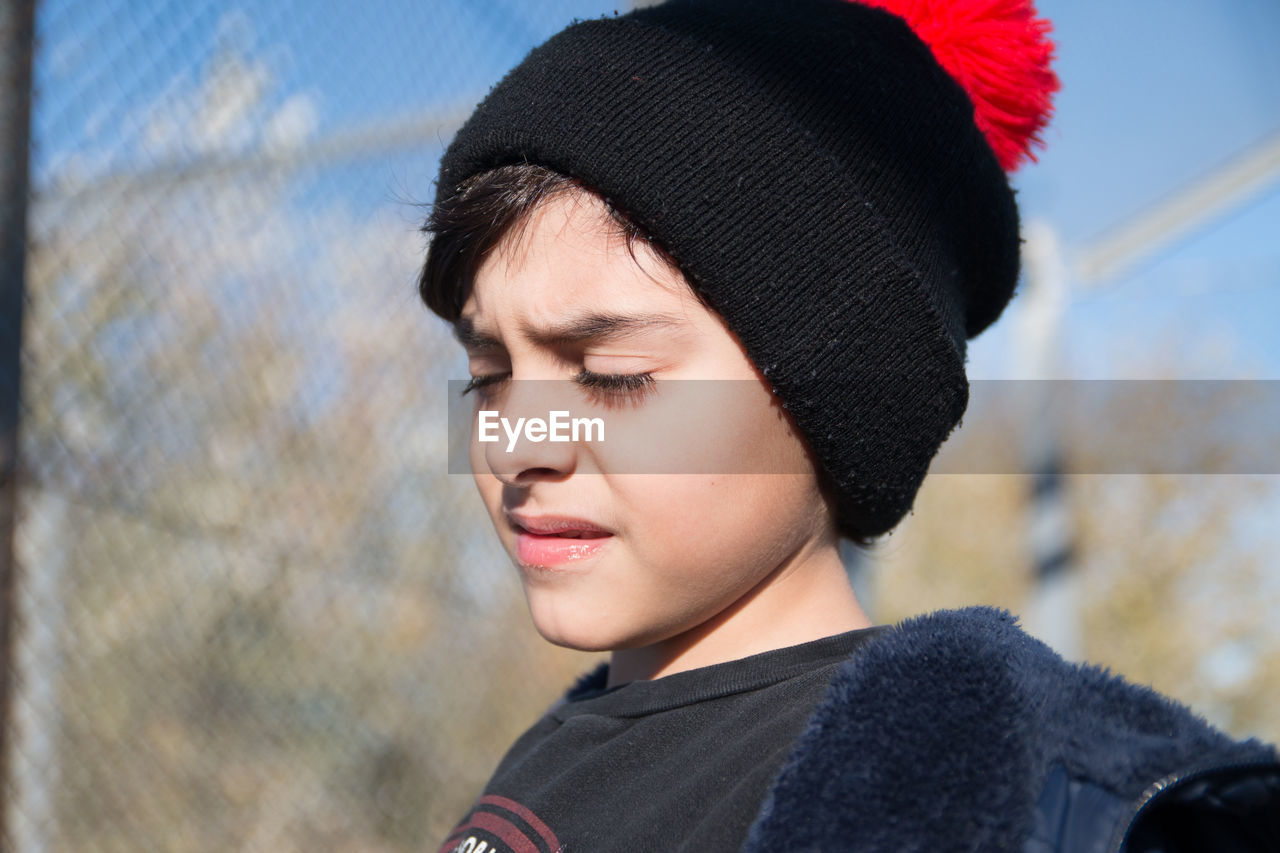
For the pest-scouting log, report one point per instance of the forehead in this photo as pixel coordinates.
(569, 254)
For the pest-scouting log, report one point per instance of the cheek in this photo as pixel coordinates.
(764, 434)
(476, 456)
(748, 494)
(721, 527)
(710, 428)
(489, 486)
(490, 489)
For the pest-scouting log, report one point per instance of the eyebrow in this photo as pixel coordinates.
(589, 328)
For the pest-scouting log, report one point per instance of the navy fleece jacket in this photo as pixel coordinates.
(957, 731)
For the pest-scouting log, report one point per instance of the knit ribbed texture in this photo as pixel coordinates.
(818, 176)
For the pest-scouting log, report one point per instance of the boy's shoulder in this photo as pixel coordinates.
(957, 730)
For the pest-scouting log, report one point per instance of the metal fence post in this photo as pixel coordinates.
(17, 22)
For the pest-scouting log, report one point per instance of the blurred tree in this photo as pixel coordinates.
(1178, 583)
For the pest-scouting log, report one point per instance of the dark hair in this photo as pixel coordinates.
(465, 227)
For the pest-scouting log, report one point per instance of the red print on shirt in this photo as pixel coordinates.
(501, 825)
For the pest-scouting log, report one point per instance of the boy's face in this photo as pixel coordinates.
(681, 548)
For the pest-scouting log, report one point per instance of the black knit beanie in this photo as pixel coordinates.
(818, 176)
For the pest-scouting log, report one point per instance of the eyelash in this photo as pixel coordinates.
(613, 384)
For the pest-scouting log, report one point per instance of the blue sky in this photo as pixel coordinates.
(1155, 94)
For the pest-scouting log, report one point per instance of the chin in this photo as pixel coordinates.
(585, 635)
(577, 638)
(583, 631)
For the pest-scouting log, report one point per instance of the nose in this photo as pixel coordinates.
(528, 446)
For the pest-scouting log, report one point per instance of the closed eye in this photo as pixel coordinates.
(636, 386)
(478, 382)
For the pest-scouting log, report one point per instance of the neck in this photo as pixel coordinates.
(806, 598)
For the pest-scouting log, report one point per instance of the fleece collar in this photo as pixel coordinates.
(939, 735)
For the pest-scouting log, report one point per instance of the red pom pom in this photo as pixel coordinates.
(1001, 54)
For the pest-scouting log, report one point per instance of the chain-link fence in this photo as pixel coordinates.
(252, 611)
(250, 597)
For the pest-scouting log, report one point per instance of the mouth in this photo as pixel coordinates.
(568, 534)
(547, 541)
(560, 526)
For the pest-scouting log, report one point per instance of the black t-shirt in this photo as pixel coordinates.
(678, 763)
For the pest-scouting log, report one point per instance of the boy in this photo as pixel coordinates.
(806, 201)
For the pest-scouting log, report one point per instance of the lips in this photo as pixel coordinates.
(549, 541)
(556, 525)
